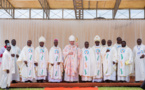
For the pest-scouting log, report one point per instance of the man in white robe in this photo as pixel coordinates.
(103, 42)
(41, 60)
(118, 44)
(71, 63)
(7, 69)
(109, 62)
(15, 51)
(55, 63)
(125, 61)
(139, 60)
(26, 63)
(3, 50)
(87, 63)
(98, 60)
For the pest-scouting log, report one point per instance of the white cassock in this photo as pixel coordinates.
(1, 55)
(15, 50)
(87, 64)
(27, 71)
(98, 64)
(125, 61)
(117, 46)
(7, 64)
(138, 51)
(41, 57)
(55, 71)
(109, 69)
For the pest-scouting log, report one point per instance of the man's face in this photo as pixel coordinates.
(55, 43)
(139, 42)
(97, 43)
(86, 44)
(29, 42)
(9, 48)
(119, 40)
(123, 44)
(103, 42)
(41, 44)
(13, 42)
(109, 43)
(72, 42)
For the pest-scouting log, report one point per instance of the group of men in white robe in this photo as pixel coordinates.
(102, 62)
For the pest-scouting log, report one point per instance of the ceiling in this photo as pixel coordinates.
(87, 4)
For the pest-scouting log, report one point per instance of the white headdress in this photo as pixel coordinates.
(42, 39)
(72, 38)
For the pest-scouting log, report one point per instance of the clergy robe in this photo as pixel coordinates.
(117, 46)
(15, 50)
(124, 63)
(27, 71)
(1, 53)
(7, 64)
(41, 57)
(87, 64)
(55, 71)
(98, 64)
(71, 63)
(138, 51)
(109, 69)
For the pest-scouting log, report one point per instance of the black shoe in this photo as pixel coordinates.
(7, 88)
(38, 81)
(14, 81)
(137, 81)
(26, 81)
(29, 81)
(42, 81)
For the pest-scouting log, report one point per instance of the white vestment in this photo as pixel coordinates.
(15, 50)
(55, 71)
(1, 53)
(98, 64)
(7, 64)
(27, 71)
(117, 46)
(125, 61)
(109, 69)
(87, 64)
(71, 63)
(138, 51)
(41, 57)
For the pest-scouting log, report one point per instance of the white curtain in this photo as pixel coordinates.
(84, 30)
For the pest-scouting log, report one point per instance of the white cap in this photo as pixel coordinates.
(71, 38)
(97, 38)
(42, 39)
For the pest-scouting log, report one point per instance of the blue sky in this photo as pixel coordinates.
(70, 14)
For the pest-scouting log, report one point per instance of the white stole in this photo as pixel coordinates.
(122, 62)
(86, 57)
(30, 62)
(42, 63)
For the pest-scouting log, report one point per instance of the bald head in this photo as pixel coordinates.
(139, 41)
(103, 42)
(13, 42)
(86, 44)
(123, 43)
(119, 40)
(109, 42)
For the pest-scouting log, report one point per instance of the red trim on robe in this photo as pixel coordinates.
(1, 55)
